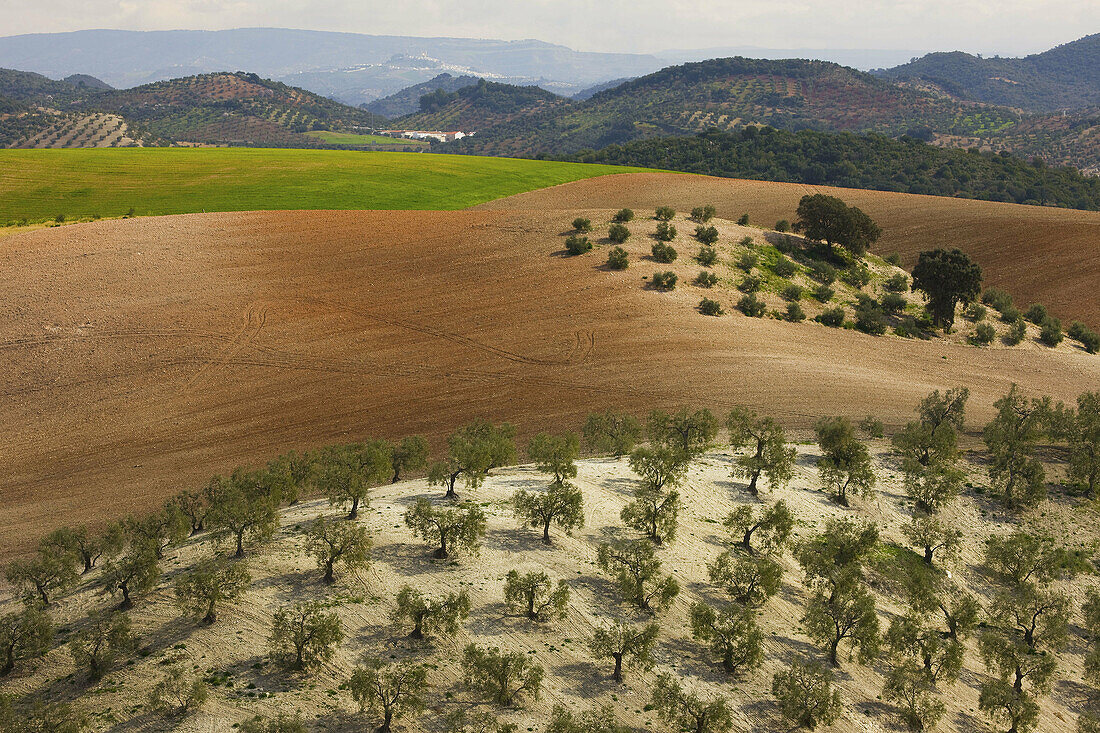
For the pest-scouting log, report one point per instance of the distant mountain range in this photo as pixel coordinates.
(1066, 77)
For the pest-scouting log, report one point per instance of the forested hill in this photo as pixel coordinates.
(727, 93)
(407, 101)
(858, 161)
(1066, 77)
(479, 106)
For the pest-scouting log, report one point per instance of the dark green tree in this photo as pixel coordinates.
(947, 278)
(828, 219)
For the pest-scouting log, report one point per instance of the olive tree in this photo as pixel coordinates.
(89, 545)
(209, 584)
(931, 534)
(908, 686)
(390, 691)
(448, 530)
(346, 473)
(732, 634)
(289, 474)
(178, 692)
(1084, 444)
(929, 449)
(48, 572)
(24, 634)
(160, 530)
(686, 710)
(689, 433)
(1011, 438)
(105, 637)
(242, 511)
(431, 616)
(331, 542)
(411, 454)
(762, 448)
(638, 572)
(806, 695)
(611, 433)
(555, 455)
(501, 677)
(620, 641)
(1026, 558)
(304, 634)
(601, 719)
(845, 464)
(772, 526)
(823, 218)
(911, 638)
(1020, 678)
(534, 595)
(472, 451)
(561, 504)
(133, 572)
(656, 505)
(749, 581)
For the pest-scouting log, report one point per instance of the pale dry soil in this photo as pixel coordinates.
(142, 356)
(236, 644)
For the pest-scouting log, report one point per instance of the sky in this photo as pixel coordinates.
(1005, 27)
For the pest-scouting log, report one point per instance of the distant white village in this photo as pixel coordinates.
(436, 135)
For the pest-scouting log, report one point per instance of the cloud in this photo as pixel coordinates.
(610, 25)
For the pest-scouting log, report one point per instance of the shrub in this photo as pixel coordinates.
(710, 307)
(178, 692)
(908, 328)
(1016, 333)
(1088, 338)
(623, 216)
(897, 283)
(706, 279)
(743, 220)
(872, 427)
(618, 233)
(581, 224)
(823, 293)
(706, 235)
(983, 334)
(280, 724)
(499, 676)
(707, 256)
(870, 317)
(792, 292)
(752, 306)
(857, 276)
(794, 313)
(1037, 313)
(997, 299)
(664, 253)
(894, 259)
(749, 284)
(747, 261)
(617, 259)
(60, 218)
(305, 634)
(893, 302)
(664, 213)
(703, 213)
(832, 317)
(746, 241)
(782, 226)
(975, 312)
(823, 272)
(1012, 315)
(784, 267)
(664, 280)
(575, 245)
(1050, 331)
(665, 232)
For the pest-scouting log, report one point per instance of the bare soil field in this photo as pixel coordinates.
(143, 355)
(1039, 254)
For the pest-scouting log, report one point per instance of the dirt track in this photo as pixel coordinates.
(144, 355)
(1040, 254)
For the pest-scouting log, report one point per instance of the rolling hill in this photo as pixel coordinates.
(480, 106)
(1066, 77)
(407, 101)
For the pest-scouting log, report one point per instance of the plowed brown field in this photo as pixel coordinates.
(1039, 254)
(141, 356)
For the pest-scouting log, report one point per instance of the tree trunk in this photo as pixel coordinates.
(210, 616)
(396, 475)
(927, 555)
(43, 595)
(9, 661)
(329, 577)
(441, 553)
(127, 603)
(618, 674)
(418, 628)
(746, 541)
(531, 606)
(89, 563)
(832, 652)
(354, 513)
(546, 532)
(752, 484)
(451, 487)
(240, 545)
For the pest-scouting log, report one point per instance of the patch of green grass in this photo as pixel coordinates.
(39, 185)
(351, 138)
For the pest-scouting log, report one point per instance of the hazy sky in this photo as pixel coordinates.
(1008, 27)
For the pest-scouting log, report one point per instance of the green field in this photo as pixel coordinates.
(351, 138)
(39, 185)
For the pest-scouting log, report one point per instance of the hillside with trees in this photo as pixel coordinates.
(407, 100)
(478, 106)
(1063, 78)
(867, 161)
